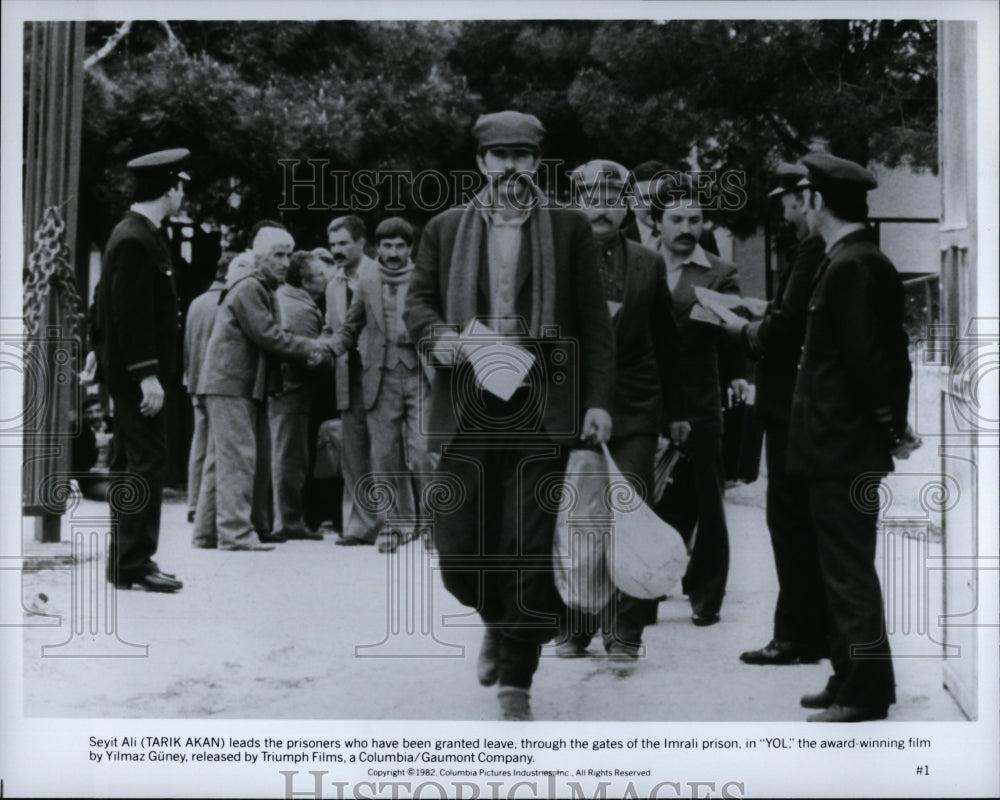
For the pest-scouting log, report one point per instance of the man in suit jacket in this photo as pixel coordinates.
(648, 398)
(848, 421)
(197, 330)
(393, 379)
(707, 358)
(346, 237)
(288, 409)
(135, 333)
(530, 273)
(775, 342)
(238, 374)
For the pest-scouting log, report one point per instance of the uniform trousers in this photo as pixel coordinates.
(399, 448)
(800, 612)
(234, 500)
(846, 536)
(141, 453)
(196, 456)
(355, 461)
(495, 547)
(624, 618)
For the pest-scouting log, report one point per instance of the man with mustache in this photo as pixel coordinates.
(707, 358)
(648, 396)
(346, 238)
(391, 375)
(519, 279)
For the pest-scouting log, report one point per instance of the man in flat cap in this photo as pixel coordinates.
(136, 325)
(848, 421)
(775, 343)
(520, 281)
(709, 361)
(648, 395)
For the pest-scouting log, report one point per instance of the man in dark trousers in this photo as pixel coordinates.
(707, 359)
(848, 421)
(648, 398)
(775, 342)
(137, 326)
(529, 273)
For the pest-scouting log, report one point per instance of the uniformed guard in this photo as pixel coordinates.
(137, 325)
(848, 422)
(775, 343)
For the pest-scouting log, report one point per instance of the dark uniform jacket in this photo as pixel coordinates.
(777, 338)
(136, 320)
(854, 378)
(648, 392)
(246, 341)
(708, 356)
(580, 315)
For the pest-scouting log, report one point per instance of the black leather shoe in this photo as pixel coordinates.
(487, 669)
(268, 537)
(704, 620)
(351, 541)
(153, 582)
(190, 516)
(777, 652)
(839, 713)
(822, 699)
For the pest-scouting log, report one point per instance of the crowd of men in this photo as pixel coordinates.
(602, 293)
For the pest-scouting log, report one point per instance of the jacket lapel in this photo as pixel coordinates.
(373, 290)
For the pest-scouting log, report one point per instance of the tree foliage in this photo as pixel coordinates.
(719, 95)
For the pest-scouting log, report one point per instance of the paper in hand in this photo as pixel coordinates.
(499, 366)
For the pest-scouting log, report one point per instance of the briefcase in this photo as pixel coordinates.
(742, 442)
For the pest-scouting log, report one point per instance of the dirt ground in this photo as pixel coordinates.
(315, 631)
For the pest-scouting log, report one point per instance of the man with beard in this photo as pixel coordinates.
(392, 376)
(800, 629)
(707, 358)
(648, 396)
(501, 283)
(135, 333)
(346, 237)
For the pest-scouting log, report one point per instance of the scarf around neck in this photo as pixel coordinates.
(461, 298)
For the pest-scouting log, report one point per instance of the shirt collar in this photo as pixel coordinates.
(697, 258)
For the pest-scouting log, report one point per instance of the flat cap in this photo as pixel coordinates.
(788, 176)
(162, 162)
(835, 174)
(610, 173)
(510, 128)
